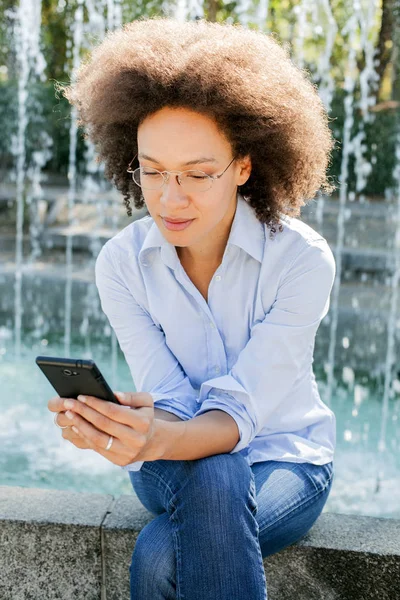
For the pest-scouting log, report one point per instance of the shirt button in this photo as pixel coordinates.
(212, 325)
(217, 369)
(218, 278)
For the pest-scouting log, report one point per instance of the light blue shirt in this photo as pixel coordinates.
(247, 351)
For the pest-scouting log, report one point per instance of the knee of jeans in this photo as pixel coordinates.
(153, 557)
(221, 473)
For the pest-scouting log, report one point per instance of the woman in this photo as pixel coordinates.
(229, 444)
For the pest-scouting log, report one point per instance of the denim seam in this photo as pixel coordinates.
(178, 553)
(174, 519)
(150, 472)
(292, 510)
(252, 494)
(260, 558)
(175, 535)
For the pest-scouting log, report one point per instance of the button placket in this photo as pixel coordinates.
(216, 369)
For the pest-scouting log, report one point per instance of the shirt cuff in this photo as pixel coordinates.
(160, 401)
(169, 406)
(229, 404)
(135, 466)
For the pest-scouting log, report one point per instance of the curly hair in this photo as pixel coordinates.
(244, 79)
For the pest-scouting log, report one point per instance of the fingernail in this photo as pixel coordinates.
(69, 414)
(68, 403)
(121, 395)
(82, 399)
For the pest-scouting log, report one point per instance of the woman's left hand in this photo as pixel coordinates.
(132, 425)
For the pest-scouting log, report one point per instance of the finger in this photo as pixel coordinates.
(93, 439)
(99, 440)
(110, 455)
(120, 421)
(75, 439)
(102, 423)
(133, 407)
(135, 399)
(113, 455)
(79, 441)
(115, 458)
(62, 420)
(56, 404)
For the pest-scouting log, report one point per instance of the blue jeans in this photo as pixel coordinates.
(216, 518)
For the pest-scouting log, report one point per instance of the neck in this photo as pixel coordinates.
(210, 252)
(209, 257)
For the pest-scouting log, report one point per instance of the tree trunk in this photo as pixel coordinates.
(212, 10)
(386, 33)
(396, 54)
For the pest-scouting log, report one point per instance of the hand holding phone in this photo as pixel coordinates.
(73, 377)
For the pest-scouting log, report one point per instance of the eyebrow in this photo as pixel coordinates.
(195, 161)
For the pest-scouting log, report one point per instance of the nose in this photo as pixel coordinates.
(172, 194)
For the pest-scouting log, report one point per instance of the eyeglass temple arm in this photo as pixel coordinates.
(129, 170)
(220, 175)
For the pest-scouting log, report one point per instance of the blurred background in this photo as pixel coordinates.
(57, 210)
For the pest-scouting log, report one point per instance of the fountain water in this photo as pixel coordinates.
(310, 25)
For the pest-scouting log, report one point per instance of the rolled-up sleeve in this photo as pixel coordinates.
(279, 350)
(153, 367)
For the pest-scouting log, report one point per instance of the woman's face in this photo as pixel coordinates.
(177, 139)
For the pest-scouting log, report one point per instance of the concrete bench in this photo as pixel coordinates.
(66, 546)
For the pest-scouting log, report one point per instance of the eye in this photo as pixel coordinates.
(149, 172)
(196, 175)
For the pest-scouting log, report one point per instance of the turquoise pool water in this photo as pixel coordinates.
(35, 455)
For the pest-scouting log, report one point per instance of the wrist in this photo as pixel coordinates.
(162, 441)
(170, 433)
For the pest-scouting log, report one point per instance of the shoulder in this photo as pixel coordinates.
(297, 244)
(126, 244)
(296, 236)
(117, 269)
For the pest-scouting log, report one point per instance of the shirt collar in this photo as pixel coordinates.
(247, 232)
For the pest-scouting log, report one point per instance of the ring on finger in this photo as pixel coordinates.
(59, 426)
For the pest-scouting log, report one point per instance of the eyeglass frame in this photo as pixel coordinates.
(178, 173)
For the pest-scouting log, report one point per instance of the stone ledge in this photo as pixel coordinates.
(67, 545)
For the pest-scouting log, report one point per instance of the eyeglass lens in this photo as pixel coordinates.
(191, 181)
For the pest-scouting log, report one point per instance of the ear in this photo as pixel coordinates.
(245, 169)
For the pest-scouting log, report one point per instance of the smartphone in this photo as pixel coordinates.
(71, 377)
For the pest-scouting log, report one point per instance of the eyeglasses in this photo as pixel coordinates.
(191, 180)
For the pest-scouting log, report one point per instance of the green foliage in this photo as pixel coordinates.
(6, 7)
(55, 32)
(51, 115)
(8, 120)
(379, 140)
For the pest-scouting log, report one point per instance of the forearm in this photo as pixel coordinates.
(213, 432)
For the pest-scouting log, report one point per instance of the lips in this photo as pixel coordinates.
(176, 220)
(177, 226)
